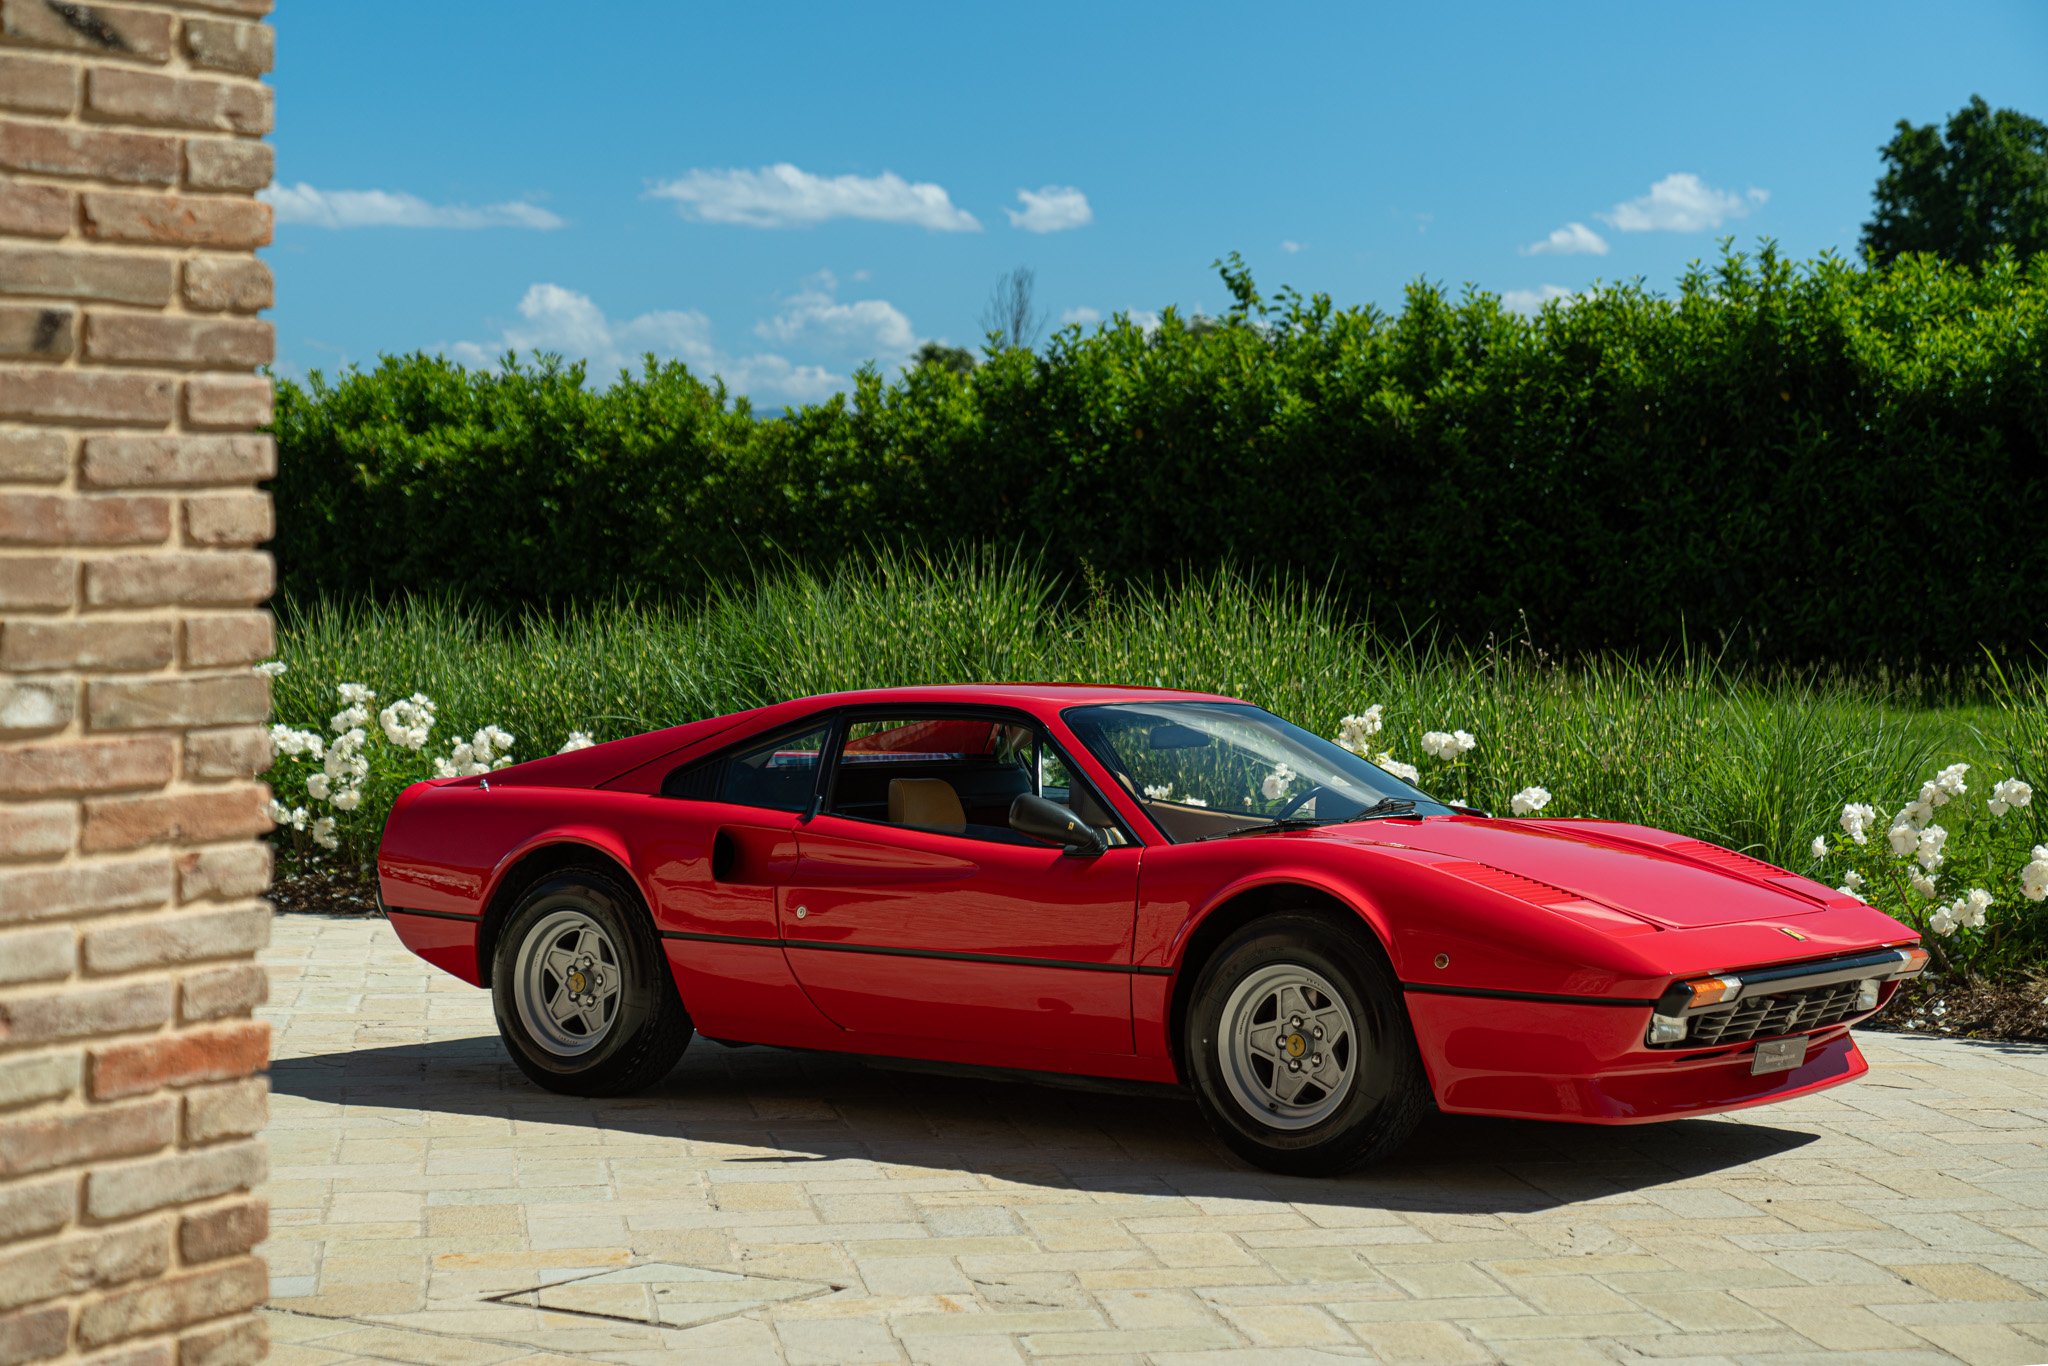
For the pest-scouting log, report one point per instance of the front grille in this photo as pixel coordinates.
(1764, 1017)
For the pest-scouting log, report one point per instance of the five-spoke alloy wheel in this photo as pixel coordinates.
(583, 994)
(1299, 1048)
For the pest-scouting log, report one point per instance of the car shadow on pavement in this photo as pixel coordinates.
(767, 1105)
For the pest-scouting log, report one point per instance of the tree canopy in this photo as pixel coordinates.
(1964, 192)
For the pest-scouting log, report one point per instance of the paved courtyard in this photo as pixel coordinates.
(429, 1205)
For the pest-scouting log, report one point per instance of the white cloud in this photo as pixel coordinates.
(1083, 315)
(558, 319)
(1051, 208)
(1682, 202)
(1573, 239)
(303, 203)
(1290, 247)
(784, 196)
(1532, 300)
(863, 328)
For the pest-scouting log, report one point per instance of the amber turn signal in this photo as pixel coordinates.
(1711, 991)
(1916, 961)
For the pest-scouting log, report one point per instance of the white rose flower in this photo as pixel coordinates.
(1463, 739)
(1158, 792)
(1405, 772)
(1970, 908)
(317, 786)
(1922, 883)
(323, 833)
(269, 668)
(1820, 846)
(1941, 922)
(1903, 838)
(1355, 732)
(1529, 801)
(348, 799)
(1928, 851)
(577, 740)
(1192, 801)
(1277, 782)
(2009, 794)
(1438, 744)
(1917, 813)
(1950, 780)
(1852, 880)
(1856, 819)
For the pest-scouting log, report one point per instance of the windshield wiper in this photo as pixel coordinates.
(1264, 828)
(1385, 806)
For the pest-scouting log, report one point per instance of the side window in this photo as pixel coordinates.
(951, 773)
(779, 774)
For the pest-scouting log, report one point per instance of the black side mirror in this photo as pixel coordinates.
(1049, 821)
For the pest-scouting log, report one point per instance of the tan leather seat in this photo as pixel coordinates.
(1084, 805)
(928, 803)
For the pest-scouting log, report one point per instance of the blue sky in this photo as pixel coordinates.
(778, 192)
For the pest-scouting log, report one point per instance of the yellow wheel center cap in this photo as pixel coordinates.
(1296, 1045)
(576, 981)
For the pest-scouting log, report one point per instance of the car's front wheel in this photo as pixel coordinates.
(584, 998)
(1300, 1050)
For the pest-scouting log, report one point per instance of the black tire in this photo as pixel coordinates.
(650, 1028)
(1387, 1094)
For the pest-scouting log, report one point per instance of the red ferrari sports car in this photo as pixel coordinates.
(1125, 882)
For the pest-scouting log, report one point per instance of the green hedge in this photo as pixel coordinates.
(1791, 463)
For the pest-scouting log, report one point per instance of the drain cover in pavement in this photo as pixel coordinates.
(664, 1294)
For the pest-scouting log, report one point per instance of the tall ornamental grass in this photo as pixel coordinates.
(1763, 766)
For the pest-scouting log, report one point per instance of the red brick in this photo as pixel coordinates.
(163, 461)
(228, 519)
(174, 1302)
(222, 639)
(229, 163)
(111, 646)
(36, 210)
(240, 752)
(40, 332)
(34, 1334)
(140, 339)
(28, 582)
(103, 30)
(122, 764)
(233, 401)
(146, 1354)
(32, 457)
(211, 578)
(104, 519)
(152, 703)
(221, 1053)
(224, 45)
(31, 1207)
(85, 397)
(37, 1143)
(215, 993)
(30, 706)
(223, 1231)
(225, 874)
(129, 96)
(188, 937)
(72, 889)
(239, 284)
(234, 1109)
(118, 823)
(36, 830)
(108, 276)
(138, 1187)
(175, 220)
(97, 153)
(85, 1261)
(76, 1012)
(36, 86)
(238, 1342)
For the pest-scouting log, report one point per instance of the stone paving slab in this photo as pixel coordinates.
(430, 1206)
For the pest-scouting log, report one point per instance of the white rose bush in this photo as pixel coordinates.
(318, 775)
(1967, 870)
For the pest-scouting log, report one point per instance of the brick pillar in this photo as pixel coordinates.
(131, 731)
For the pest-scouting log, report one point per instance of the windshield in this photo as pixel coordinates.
(1213, 768)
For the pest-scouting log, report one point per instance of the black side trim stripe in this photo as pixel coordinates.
(431, 915)
(1129, 969)
(1432, 989)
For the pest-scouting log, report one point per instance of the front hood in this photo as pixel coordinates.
(1656, 876)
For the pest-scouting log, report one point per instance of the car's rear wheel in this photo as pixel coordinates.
(584, 998)
(1300, 1050)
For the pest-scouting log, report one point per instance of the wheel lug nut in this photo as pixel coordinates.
(1319, 1031)
(1316, 1061)
(1296, 1022)
(1294, 1066)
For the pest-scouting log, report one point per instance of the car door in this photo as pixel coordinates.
(1004, 948)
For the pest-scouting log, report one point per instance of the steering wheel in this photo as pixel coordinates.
(1295, 805)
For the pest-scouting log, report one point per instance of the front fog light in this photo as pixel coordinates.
(1667, 1028)
(1866, 993)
